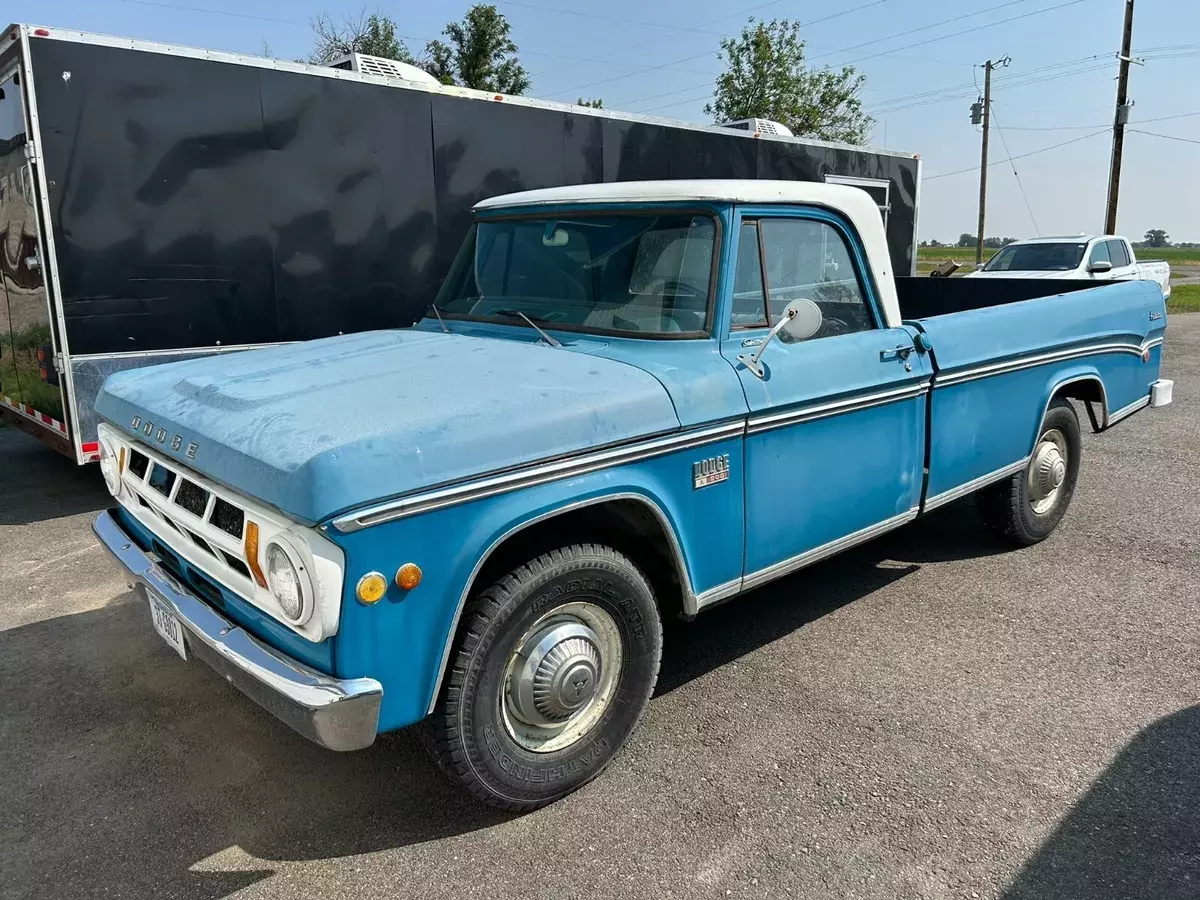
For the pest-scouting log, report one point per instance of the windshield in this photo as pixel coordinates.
(638, 275)
(1037, 257)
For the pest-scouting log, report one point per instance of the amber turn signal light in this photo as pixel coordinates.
(252, 554)
(371, 588)
(408, 576)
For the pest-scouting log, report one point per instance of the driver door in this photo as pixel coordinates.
(834, 451)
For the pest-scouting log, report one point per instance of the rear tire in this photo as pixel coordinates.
(552, 669)
(1027, 507)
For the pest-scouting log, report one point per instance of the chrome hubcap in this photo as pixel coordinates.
(562, 677)
(1047, 471)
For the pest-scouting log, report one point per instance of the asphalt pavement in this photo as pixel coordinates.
(930, 715)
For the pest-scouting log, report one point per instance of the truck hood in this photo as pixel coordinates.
(325, 426)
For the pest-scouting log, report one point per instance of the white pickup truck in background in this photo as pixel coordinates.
(1096, 257)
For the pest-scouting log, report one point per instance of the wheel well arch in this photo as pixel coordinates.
(631, 523)
(1085, 386)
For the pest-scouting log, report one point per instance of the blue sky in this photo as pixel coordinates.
(920, 58)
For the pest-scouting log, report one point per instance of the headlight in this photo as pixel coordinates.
(109, 468)
(288, 581)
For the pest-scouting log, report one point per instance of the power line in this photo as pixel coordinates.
(592, 84)
(1010, 82)
(670, 34)
(1019, 156)
(1169, 137)
(937, 24)
(1020, 187)
(1085, 127)
(881, 53)
(217, 12)
(1036, 12)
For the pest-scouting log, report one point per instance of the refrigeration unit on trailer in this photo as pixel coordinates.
(162, 203)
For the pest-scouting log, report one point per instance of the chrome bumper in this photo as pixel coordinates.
(340, 714)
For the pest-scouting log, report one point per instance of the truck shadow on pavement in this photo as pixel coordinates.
(62, 488)
(1136, 833)
(726, 633)
(128, 772)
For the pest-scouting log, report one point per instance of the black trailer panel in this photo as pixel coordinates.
(201, 204)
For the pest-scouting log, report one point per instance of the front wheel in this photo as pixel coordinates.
(552, 669)
(1029, 505)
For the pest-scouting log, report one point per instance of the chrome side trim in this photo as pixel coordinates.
(807, 558)
(138, 354)
(1126, 411)
(974, 484)
(50, 278)
(770, 421)
(337, 713)
(690, 603)
(539, 473)
(715, 595)
(1042, 359)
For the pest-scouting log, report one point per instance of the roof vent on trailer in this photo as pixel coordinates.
(762, 126)
(379, 65)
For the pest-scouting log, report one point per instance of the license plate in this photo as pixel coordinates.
(167, 625)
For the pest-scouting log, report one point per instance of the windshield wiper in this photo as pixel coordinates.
(441, 321)
(515, 313)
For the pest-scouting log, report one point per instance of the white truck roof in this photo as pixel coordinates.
(855, 204)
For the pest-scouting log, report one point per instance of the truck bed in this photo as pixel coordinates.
(922, 297)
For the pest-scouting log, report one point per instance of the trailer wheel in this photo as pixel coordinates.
(1028, 506)
(553, 667)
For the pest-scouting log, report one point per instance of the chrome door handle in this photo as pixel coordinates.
(901, 352)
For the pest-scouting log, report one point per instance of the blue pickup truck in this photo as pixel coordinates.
(629, 401)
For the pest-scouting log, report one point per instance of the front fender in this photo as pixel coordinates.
(404, 641)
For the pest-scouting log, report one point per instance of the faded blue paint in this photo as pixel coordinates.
(980, 426)
(317, 427)
(339, 424)
(400, 640)
(318, 655)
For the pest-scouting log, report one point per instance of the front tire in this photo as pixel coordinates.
(553, 667)
(1027, 507)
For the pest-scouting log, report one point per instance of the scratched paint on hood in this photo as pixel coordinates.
(327, 425)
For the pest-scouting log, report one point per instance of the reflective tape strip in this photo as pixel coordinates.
(30, 413)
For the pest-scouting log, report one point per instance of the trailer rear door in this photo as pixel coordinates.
(28, 398)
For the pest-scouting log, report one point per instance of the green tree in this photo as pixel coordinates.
(1156, 237)
(965, 240)
(597, 103)
(479, 53)
(766, 76)
(373, 34)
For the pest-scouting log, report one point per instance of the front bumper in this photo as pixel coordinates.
(337, 713)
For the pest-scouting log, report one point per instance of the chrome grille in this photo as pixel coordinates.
(169, 495)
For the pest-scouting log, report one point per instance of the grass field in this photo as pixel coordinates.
(1184, 298)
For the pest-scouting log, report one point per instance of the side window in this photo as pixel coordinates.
(749, 303)
(806, 258)
(1099, 253)
(1118, 254)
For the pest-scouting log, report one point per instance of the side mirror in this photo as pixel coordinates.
(801, 319)
(1100, 265)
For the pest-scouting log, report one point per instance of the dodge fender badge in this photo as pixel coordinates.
(710, 471)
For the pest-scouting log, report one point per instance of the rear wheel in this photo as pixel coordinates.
(1029, 505)
(552, 670)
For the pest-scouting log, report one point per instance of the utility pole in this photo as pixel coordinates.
(983, 162)
(1122, 114)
